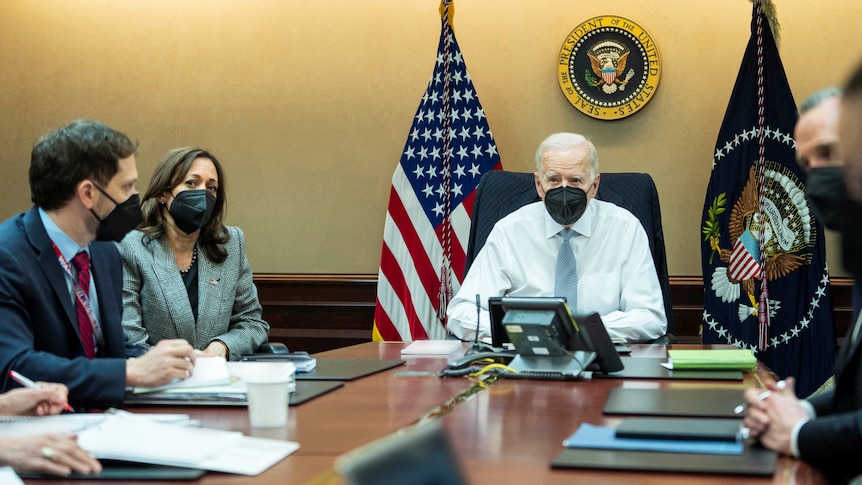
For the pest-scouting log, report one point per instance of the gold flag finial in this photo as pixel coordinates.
(769, 11)
(450, 5)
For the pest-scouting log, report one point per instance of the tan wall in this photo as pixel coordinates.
(308, 103)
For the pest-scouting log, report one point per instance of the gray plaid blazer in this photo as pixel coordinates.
(156, 304)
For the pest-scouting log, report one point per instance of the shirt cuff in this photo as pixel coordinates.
(794, 436)
(808, 408)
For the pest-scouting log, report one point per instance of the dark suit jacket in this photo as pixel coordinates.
(38, 324)
(833, 441)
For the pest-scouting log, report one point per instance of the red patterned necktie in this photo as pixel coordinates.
(81, 263)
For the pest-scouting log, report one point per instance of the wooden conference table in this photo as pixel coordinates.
(507, 433)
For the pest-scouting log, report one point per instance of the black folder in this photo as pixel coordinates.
(126, 470)
(707, 403)
(680, 429)
(305, 391)
(346, 370)
(755, 460)
(650, 368)
(308, 390)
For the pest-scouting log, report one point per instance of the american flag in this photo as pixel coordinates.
(427, 224)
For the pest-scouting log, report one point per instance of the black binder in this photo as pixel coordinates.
(305, 391)
(755, 460)
(707, 403)
(126, 470)
(346, 370)
(680, 429)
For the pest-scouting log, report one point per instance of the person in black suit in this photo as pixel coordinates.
(825, 430)
(58, 326)
(817, 152)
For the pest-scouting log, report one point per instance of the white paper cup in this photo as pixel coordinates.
(268, 389)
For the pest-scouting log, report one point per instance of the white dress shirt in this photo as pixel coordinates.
(616, 273)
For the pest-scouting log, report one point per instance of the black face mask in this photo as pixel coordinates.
(566, 204)
(121, 220)
(828, 194)
(192, 209)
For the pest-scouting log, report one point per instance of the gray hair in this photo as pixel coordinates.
(815, 99)
(565, 141)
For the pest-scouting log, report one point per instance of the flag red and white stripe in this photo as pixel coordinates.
(743, 264)
(426, 232)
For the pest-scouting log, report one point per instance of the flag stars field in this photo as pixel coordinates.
(449, 147)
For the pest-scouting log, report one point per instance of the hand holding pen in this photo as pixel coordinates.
(37, 399)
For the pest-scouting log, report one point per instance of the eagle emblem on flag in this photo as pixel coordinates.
(787, 228)
(766, 282)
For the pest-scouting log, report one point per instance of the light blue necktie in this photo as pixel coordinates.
(566, 278)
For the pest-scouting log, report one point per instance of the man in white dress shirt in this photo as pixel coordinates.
(616, 276)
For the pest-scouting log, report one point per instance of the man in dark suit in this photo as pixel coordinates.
(825, 430)
(60, 288)
(816, 135)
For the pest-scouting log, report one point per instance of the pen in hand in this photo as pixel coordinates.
(763, 395)
(20, 379)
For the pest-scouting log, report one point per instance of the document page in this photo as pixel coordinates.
(140, 440)
(209, 371)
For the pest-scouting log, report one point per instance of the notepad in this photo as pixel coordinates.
(208, 371)
(8, 476)
(143, 441)
(67, 424)
(718, 359)
(431, 347)
(235, 386)
(155, 439)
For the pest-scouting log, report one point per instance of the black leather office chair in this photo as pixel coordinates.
(500, 193)
(272, 348)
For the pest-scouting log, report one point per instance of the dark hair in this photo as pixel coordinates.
(854, 85)
(83, 149)
(818, 97)
(170, 173)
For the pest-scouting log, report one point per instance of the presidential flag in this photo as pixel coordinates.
(427, 226)
(766, 284)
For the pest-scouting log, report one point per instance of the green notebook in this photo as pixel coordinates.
(718, 359)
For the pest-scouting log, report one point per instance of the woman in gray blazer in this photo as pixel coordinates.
(185, 274)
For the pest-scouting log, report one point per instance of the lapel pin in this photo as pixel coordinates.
(213, 282)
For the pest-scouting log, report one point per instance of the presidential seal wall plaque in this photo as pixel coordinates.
(609, 67)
